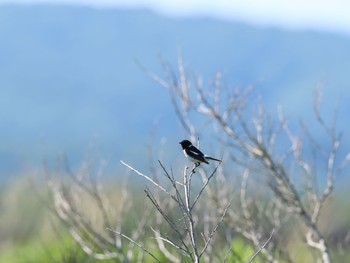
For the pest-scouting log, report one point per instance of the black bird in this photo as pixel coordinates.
(195, 155)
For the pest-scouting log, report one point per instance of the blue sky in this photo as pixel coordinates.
(78, 125)
(329, 15)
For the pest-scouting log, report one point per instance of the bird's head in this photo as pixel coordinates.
(185, 144)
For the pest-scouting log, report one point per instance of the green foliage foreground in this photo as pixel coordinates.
(30, 232)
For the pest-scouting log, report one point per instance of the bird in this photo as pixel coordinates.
(195, 155)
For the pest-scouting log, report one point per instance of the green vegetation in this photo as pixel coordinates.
(30, 232)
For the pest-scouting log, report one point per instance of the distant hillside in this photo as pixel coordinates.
(70, 75)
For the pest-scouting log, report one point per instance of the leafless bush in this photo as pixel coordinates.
(265, 191)
(83, 204)
(284, 162)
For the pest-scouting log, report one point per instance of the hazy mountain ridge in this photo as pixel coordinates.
(70, 74)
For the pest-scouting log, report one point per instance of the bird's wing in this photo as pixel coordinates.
(196, 154)
(195, 151)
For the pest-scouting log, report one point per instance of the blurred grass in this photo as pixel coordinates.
(21, 212)
(30, 233)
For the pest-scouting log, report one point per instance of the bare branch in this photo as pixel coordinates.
(135, 243)
(207, 241)
(160, 240)
(146, 177)
(262, 247)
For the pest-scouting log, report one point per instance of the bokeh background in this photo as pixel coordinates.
(73, 79)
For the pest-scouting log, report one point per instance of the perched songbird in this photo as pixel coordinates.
(195, 155)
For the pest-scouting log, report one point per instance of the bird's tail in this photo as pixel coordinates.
(212, 158)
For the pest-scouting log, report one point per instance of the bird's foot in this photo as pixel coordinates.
(194, 167)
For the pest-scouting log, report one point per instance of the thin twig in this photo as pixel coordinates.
(203, 187)
(135, 243)
(146, 177)
(207, 241)
(262, 247)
